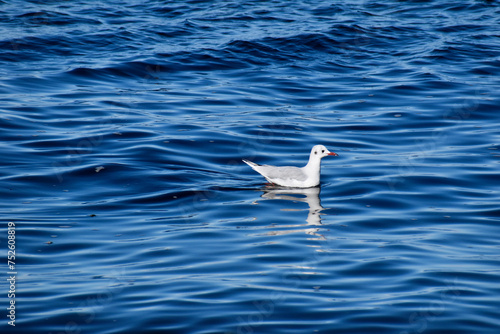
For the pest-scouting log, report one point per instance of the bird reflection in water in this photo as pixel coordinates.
(306, 195)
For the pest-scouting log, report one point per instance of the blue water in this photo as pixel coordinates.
(123, 125)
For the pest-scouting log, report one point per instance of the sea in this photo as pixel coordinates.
(126, 207)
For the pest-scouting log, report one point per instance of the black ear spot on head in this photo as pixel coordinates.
(315, 152)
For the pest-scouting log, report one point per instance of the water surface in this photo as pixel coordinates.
(123, 125)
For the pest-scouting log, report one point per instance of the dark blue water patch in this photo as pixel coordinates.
(454, 53)
(32, 48)
(126, 71)
(171, 11)
(203, 62)
(461, 28)
(50, 18)
(100, 10)
(301, 45)
(160, 69)
(258, 52)
(490, 69)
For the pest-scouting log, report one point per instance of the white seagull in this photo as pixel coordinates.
(295, 177)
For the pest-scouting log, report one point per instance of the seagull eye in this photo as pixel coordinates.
(323, 151)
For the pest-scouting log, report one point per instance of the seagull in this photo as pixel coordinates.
(295, 177)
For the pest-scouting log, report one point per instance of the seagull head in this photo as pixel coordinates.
(320, 151)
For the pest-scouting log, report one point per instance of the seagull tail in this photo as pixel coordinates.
(251, 164)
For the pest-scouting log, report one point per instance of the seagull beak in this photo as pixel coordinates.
(333, 153)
